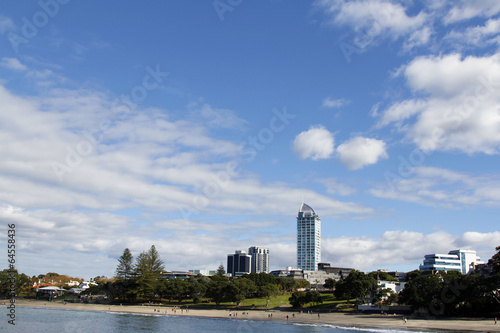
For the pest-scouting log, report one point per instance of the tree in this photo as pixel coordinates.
(8, 279)
(149, 263)
(286, 283)
(267, 290)
(148, 269)
(218, 289)
(198, 287)
(246, 287)
(298, 299)
(220, 270)
(383, 276)
(330, 283)
(495, 260)
(422, 291)
(314, 297)
(125, 268)
(356, 285)
(178, 289)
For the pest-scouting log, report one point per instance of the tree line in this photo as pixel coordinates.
(141, 279)
(454, 293)
(439, 294)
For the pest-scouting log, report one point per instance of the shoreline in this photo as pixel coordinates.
(294, 317)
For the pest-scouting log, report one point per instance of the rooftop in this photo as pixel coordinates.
(306, 209)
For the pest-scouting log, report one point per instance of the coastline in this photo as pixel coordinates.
(336, 319)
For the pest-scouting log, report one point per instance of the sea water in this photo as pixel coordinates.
(42, 320)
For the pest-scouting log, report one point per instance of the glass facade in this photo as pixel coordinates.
(308, 239)
(239, 263)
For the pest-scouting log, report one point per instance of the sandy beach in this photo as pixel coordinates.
(340, 319)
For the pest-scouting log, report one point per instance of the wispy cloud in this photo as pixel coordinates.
(432, 186)
(12, 63)
(6, 24)
(334, 103)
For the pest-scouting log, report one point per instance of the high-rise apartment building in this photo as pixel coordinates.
(260, 259)
(238, 263)
(308, 239)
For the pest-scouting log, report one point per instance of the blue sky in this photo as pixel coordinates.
(200, 127)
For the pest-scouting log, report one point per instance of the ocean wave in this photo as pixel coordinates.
(137, 314)
(360, 329)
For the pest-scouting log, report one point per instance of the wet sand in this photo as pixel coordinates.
(337, 319)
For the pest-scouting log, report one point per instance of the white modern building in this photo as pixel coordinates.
(308, 239)
(456, 260)
(204, 272)
(260, 259)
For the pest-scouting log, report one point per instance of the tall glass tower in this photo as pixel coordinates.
(308, 239)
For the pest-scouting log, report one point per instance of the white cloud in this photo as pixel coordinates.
(216, 118)
(130, 178)
(374, 18)
(359, 152)
(407, 248)
(477, 35)
(441, 187)
(399, 112)
(463, 10)
(418, 38)
(6, 24)
(315, 143)
(459, 110)
(12, 63)
(333, 186)
(334, 103)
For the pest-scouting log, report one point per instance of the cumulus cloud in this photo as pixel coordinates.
(316, 143)
(359, 152)
(84, 177)
(459, 107)
(402, 248)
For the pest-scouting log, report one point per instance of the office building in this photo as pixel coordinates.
(308, 239)
(260, 259)
(456, 260)
(238, 263)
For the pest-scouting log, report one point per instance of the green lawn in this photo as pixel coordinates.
(329, 303)
(274, 302)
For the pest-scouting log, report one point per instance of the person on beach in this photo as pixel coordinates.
(495, 320)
